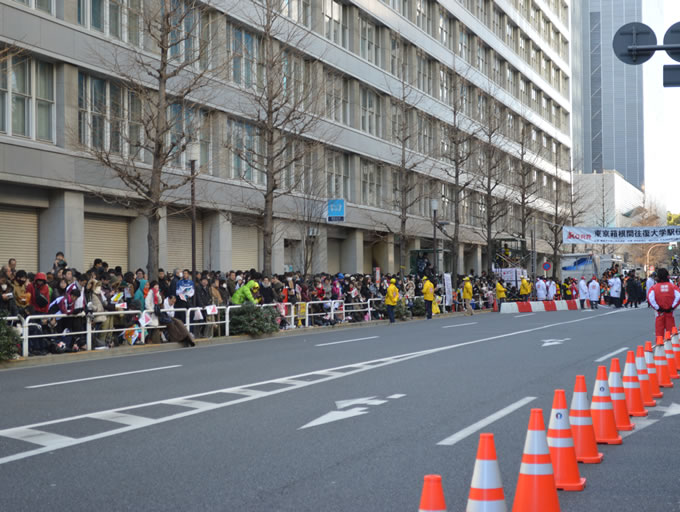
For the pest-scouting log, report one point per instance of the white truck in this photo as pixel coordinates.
(579, 264)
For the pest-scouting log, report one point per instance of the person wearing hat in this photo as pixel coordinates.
(615, 290)
(524, 289)
(501, 292)
(582, 291)
(594, 293)
(245, 293)
(391, 299)
(467, 296)
(428, 296)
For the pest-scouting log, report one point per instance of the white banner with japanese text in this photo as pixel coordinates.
(637, 235)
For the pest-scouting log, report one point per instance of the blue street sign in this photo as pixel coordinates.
(546, 266)
(336, 210)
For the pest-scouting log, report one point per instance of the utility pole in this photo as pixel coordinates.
(193, 154)
(435, 205)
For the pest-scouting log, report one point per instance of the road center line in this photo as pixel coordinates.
(458, 325)
(132, 422)
(475, 427)
(346, 341)
(524, 314)
(102, 377)
(607, 356)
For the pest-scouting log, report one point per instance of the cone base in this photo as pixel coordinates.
(591, 460)
(657, 395)
(573, 486)
(626, 428)
(666, 385)
(637, 414)
(613, 440)
(649, 404)
(675, 376)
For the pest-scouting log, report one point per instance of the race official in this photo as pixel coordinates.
(664, 297)
(524, 289)
(467, 295)
(500, 292)
(428, 296)
(391, 299)
(594, 293)
(582, 291)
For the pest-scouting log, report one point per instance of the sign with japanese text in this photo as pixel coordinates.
(638, 235)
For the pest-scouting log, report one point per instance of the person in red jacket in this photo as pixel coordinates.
(664, 297)
(40, 294)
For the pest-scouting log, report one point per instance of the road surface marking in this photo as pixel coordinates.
(524, 314)
(607, 356)
(102, 377)
(346, 341)
(550, 342)
(347, 413)
(125, 416)
(458, 325)
(476, 427)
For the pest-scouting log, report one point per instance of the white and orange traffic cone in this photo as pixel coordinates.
(561, 444)
(643, 377)
(651, 371)
(486, 489)
(661, 362)
(675, 342)
(432, 497)
(618, 396)
(602, 411)
(536, 491)
(581, 421)
(631, 386)
(670, 356)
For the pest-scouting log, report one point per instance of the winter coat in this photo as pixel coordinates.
(525, 287)
(392, 295)
(594, 291)
(152, 299)
(244, 293)
(428, 290)
(500, 291)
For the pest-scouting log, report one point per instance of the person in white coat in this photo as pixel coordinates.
(582, 291)
(541, 289)
(552, 289)
(594, 293)
(615, 291)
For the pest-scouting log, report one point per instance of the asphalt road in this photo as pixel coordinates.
(335, 420)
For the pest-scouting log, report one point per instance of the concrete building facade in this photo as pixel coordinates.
(55, 197)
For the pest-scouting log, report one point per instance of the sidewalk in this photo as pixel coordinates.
(129, 350)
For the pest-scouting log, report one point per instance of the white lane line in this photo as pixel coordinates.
(524, 314)
(475, 427)
(639, 423)
(607, 356)
(346, 341)
(102, 377)
(136, 422)
(458, 325)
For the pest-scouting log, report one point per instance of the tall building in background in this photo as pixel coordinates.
(608, 131)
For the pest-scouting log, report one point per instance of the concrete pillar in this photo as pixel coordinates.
(352, 258)
(138, 244)
(216, 241)
(62, 228)
(320, 254)
(384, 253)
(477, 263)
(67, 106)
(460, 264)
(278, 248)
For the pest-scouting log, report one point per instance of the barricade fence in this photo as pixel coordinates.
(203, 322)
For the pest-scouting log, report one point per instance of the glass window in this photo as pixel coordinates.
(335, 22)
(97, 14)
(371, 183)
(44, 5)
(371, 115)
(21, 99)
(82, 108)
(98, 98)
(3, 96)
(135, 131)
(117, 116)
(369, 46)
(133, 21)
(114, 19)
(337, 175)
(205, 139)
(337, 97)
(44, 100)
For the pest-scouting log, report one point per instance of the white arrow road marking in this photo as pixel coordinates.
(607, 356)
(671, 410)
(548, 343)
(102, 377)
(475, 427)
(341, 404)
(458, 325)
(346, 341)
(336, 416)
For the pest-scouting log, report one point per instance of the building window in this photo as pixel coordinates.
(3, 96)
(510, 80)
(424, 73)
(135, 127)
(444, 85)
(424, 15)
(244, 49)
(337, 96)
(496, 68)
(464, 45)
(481, 58)
(335, 22)
(371, 113)
(371, 183)
(370, 44)
(120, 19)
(444, 28)
(21, 96)
(337, 175)
(425, 134)
(243, 143)
(398, 58)
(298, 10)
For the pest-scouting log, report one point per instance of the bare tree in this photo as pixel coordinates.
(281, 100)
(153, 111)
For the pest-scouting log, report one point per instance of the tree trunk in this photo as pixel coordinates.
(404, 261)
(268, 233)
(152, 244)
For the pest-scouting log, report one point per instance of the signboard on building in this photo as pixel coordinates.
(336, 210)
(638, 235)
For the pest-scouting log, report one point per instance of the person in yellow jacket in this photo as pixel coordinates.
(524, 289)
(428, 296)
(500, 292)
(467, 295)
(391, 299)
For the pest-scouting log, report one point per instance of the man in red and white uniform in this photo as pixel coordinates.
(664, 297)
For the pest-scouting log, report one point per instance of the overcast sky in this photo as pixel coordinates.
(662, 111)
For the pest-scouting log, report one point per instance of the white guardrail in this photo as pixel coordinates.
(301, 314)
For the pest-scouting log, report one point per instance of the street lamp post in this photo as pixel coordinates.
(193, 154)
(435, 205)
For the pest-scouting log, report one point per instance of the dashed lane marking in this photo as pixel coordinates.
(346, 341)
(102, 377)
(611, 354)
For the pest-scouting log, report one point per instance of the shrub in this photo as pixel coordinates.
(401, 312)
(418, 307)
(9, 341)
(249, 319)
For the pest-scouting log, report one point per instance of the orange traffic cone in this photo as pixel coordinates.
(602, 302)
(631, 386)
(582, 425)
(432, 498)
(670, 356)
(651, 371)
(675, 341)
(662, 371)
(486, 489)
(602, 411)
(621, 416)
(561, 445)
(643, 377)
(495, 306)
(536, 491)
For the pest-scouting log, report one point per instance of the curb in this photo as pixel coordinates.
(127, 350)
